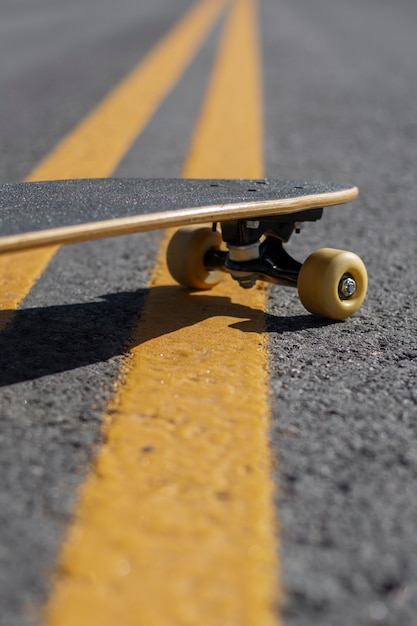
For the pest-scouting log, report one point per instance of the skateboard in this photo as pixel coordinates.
(250, 223)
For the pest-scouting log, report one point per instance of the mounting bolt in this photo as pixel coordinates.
(347, 287)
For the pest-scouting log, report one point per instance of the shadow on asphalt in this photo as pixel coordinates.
(48, 340)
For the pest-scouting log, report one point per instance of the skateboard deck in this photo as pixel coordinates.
(60, 212)
(256, 217)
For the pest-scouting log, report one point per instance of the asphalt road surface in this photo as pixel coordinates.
(339, 103)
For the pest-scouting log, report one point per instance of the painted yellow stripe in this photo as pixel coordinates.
(229, 137)
(175, 525)
(96, 145)
(18, 272)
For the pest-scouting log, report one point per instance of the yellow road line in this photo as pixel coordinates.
(229, 137)
(175, 525)
(18, 272)
(96, 145)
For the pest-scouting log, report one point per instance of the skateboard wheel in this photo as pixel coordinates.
(332, 283)
(185, 257)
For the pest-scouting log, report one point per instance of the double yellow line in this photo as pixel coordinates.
(175, 524)
(95, 147)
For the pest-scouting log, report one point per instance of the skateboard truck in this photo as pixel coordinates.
(330, 283)
(256, 251)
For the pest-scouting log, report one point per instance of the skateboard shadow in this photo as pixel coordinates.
(43, 341)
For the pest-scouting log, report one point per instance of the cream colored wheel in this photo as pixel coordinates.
(332, 283)
(185, 257)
